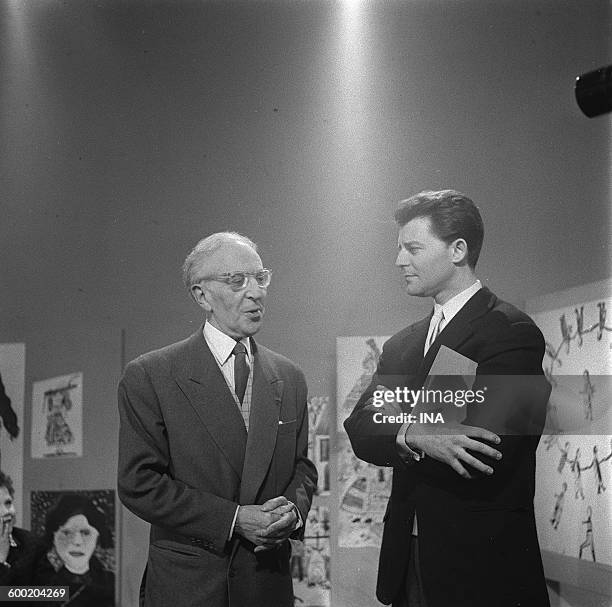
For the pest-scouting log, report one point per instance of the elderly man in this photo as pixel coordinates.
(213, 445)
(460, 527)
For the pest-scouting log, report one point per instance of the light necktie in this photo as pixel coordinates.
(241, 370)
(436, 327)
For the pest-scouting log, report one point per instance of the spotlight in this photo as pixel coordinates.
(594, 92)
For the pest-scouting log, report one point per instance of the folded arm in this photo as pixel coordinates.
(516, 393)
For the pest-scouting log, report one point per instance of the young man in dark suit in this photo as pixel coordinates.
(459, 527)
(213, 445)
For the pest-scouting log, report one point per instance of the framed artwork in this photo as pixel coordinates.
(79, 530)
(57, 417)
(573, 498)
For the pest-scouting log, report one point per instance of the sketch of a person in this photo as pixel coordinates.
(577, 470)
(588, 540)
(588, 390)
(579, 323)
(58, 432)
(602, 319)
(558, 509)
(73, 529)
(565, 332)
(563, 458)
(596, 463)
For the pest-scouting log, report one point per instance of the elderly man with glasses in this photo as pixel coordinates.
(213, 445)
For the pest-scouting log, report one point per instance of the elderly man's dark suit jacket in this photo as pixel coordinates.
(477, 538)
(185, 462)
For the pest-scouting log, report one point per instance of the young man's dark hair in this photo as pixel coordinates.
(452, 215)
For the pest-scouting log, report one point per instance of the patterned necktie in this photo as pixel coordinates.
(436, 325)
(241, 370)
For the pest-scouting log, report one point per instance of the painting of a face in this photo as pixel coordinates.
(75, 542)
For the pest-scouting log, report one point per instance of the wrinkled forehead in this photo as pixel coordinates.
(231, 257)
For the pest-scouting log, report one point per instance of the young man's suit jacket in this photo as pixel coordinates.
(477, 537)
(186, 462)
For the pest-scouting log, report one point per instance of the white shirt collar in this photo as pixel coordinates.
(221, 344)
(454, 304)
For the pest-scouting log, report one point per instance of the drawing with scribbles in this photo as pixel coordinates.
(577, 469)
(588, 540)
(596, 464)
(364, 491)
(601, 325)
(588, 391)
(565, 332)
(579, 324)
(368, 364)
(57, 425)
(356, 361)
(563, 458)
(57, 405)
(556, 516)
(573, 498)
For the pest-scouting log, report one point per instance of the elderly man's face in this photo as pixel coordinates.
(236, 313)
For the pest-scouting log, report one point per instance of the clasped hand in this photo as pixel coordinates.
(267, 525)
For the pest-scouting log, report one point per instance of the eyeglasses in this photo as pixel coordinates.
(239, 280)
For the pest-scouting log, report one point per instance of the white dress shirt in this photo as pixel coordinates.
(222, 348)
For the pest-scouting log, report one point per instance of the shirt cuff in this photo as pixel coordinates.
(405, 452)
(300, 522)
(231, 533)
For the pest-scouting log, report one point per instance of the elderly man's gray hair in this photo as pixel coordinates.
(205, 248)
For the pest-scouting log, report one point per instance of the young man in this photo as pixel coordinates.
(213, 445)
(459, 528)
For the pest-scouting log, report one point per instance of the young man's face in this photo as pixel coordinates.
(425, 260)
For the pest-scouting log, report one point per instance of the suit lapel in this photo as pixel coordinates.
(263, 426)
(202, 382)
(459, 329)
(412, 351)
